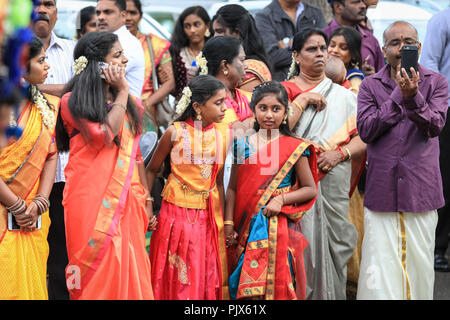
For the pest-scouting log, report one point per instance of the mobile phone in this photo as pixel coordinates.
(410, 57)
(13, 226)
(101, 65)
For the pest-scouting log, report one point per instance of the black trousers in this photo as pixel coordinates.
(57, 258)
(443, 225)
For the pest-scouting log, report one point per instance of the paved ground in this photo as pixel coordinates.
(442, 284)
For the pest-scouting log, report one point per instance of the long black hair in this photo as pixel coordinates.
(88, 97)
(277, 89)
(179, 40)
(84, 16)
(353, 39)
(203, 88)
(234, 17)
(35, 48)
(220, 49)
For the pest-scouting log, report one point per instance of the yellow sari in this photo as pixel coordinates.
(23, 255)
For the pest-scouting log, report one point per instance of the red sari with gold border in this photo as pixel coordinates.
(270, 278)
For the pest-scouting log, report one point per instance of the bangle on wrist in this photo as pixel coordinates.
(349, 154)
(119, 105)
(151, 199)
(42, 202)
(18, 208)
(229, 223)
(342, 153)
(278, 201)
(298, 106)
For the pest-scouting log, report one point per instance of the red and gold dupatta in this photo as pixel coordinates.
(270, 276)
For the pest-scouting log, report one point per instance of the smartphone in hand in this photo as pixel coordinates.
(410, 58)
(101, 65)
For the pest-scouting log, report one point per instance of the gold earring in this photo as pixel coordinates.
(225, 72)
(207, 33)
(199, 117)
(284, 120)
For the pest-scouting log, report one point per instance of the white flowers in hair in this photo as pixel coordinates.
(79, 65)
(47, 114)
(184, 101)
(292, 69)
(202, 63)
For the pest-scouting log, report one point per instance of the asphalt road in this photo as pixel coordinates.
(442, 284)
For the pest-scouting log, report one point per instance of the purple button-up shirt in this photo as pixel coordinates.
(402, 142)
(369, 45)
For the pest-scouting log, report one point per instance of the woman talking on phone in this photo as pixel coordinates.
(105, 196)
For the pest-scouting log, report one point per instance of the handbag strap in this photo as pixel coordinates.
(152, 58)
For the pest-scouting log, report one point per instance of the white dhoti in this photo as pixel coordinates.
(397, 260)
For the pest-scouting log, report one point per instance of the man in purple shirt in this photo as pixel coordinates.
(351, 13)
(400, 119)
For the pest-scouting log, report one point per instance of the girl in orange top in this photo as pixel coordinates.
(187, 250)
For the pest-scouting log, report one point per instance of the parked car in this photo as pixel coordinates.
(165, 15)
(251, 6)
(387, 12)
(68, 10)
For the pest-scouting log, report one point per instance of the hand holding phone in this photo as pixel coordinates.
(410, 57)
(102, 65)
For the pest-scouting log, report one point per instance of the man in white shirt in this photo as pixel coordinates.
(60, 58)
(111, 16)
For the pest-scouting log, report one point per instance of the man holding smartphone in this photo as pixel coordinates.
(400, 119)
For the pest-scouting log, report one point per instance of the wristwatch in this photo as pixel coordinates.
(286, 41)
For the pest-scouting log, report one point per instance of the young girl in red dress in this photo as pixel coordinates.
(187, 250)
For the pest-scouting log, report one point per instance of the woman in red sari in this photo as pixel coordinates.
(273, 183)
(105, 197)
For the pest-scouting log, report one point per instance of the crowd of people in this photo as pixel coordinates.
(300, 160)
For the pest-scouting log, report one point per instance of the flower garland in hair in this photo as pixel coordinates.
(292, 69)
(202, 63)
(79, 65)
(184, 101)
(47, 114)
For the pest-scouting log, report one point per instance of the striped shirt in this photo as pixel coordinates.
(60, 58)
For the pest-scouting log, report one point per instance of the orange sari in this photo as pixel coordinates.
(105, 214)
(23, 255)
(161, 55)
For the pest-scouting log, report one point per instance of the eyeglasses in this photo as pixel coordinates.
(397, 42)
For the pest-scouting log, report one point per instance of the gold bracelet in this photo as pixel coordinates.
(276, 200)
(348, 152)
(298, 106)
(150, 199)
(229, 223)
(120, 105)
